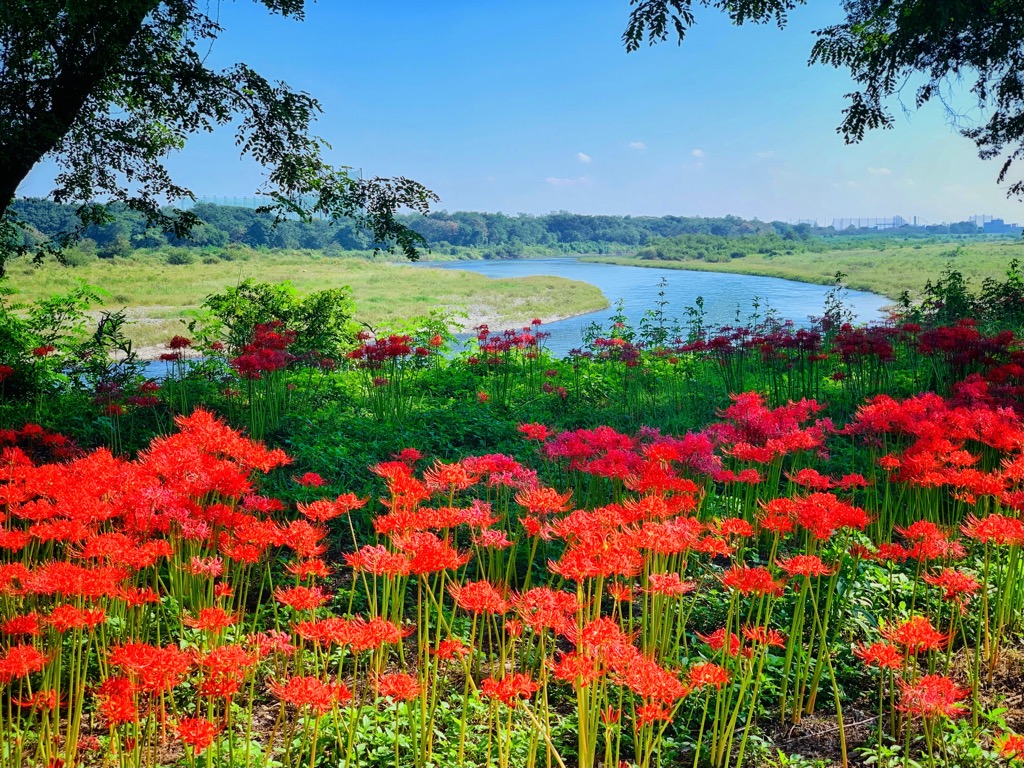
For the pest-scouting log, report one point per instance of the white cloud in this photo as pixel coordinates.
(557, 181)
(697, 152)
(766, 155)
(637, 145)
(879, 171)
(583, 157)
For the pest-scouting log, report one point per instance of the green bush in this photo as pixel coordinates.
(179, 257)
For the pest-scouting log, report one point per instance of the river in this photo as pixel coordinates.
(639, 290)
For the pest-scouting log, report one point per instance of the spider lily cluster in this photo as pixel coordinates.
(637, 586)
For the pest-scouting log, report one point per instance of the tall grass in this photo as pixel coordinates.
(158, 295)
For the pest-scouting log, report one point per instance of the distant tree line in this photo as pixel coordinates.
(489, 235)
(504, 235)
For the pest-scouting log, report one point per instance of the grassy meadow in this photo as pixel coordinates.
(158, 295)
(887, 267)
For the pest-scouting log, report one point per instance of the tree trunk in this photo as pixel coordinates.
(89, 54)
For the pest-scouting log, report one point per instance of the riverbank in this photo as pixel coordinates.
(888, 268)
(159, 297)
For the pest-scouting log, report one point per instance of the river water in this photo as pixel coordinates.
(638, 288)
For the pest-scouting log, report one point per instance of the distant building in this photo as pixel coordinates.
(1000, 227)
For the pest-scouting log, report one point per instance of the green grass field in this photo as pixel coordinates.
(889, 270)
(158, 296)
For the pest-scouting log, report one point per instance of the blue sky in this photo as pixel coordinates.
(534, 107)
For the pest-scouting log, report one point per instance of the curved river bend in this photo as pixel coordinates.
(638, 288)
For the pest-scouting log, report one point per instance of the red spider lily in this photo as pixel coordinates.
(849, 482)
(747, 580)
(366, 635)
(531, 526)
(41, 701)
(804, 565)
(956, 585)
(309, 480)
(310, 569)
(619, 592)
(408, 456)
(749, 420)
(669, 584)
(202, 433)
(224, 668)
(658, 510)
(322, 510)
(930, 541)
(206, 566)
(380, 561)
(615, 555)
(822, 514)
(13, 541)
(302, 598)
(267, 351)
(374, 355)
(656, 478)
(492, 539)
(310, 693)
(652, 713)
(330, 631)
(222, 590)
(67, 617)
(26, 624)
(732, 526)
(545, 608)
(540, 501)
(399, 687)
(777, 518)
(70, 580)
(707, 675)
(995, 529)
(916, 634)
(880, 655)
(749, 476)
(811, 478)
(305, 539)
(576, 668)
(648, 679)
(1010, 746)
(136, 596)
(604, 639)
(896, 553)
(197, 733)
(117, 704)
(210, 620)
(450, 649)
(502, 471)
(719, 640)
(20, 661)
(510, 688)
(153, 669)
(273, 641)
(430, 554)
(479, 597)
(764, 636)
(538, 432)
(932, 696)
(450, 477)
